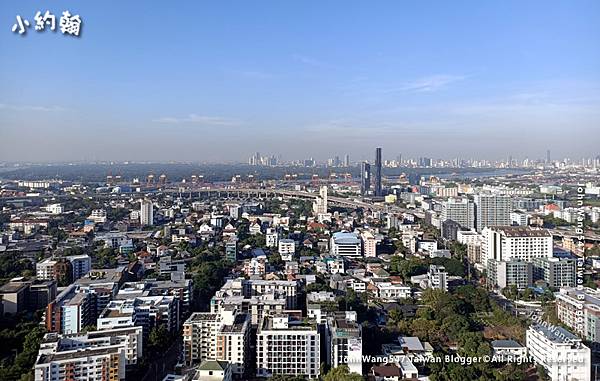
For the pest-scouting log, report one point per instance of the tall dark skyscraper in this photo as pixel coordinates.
(548, 156)
(378, 191)
(365, 178)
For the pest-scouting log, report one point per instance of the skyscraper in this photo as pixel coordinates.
(146, 213)
(365, 178)
(378, 191)
(347, 160)
(492, 210)
(548, 156)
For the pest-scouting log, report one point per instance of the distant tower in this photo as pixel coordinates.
(365, 178)
(146, 213)
(548, 156)
(378, 191)
(347, 160)
(320, 204)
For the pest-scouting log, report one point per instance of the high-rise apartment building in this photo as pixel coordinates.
(461, 210)
(509, 243)
(218, 336)
(320, 203)
(344, 337)
(287, 347)
(146, 213)
(492, 210)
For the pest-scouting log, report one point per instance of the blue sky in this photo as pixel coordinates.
(216, 81)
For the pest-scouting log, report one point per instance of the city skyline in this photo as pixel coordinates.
(210, 82)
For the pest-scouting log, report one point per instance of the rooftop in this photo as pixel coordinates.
(520, 231)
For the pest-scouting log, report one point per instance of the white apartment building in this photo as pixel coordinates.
(561, 353)
(509, 243)
(344, 338)
(286, 347)
(438, 277)
(320, 203)
(519, 218)
(492, 210)
(144, 311)
(272, 238)
(146, 213)
(393, 291)
(98, 216)
(459, 210)
(90, 364)
(345, 244)
(580, 311)
(468, 237)
(55, 208)
(44, 270)
(286, 248)
(284, 289)
(129, 338)
(222, 336)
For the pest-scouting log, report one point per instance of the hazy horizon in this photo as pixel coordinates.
(216, 82)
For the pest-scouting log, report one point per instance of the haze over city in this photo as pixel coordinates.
(216, 82)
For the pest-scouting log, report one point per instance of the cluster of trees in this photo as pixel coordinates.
(416, 266)
(105, 258)
(20, 343)
(341, 373)
(447, 319)
(550, 221)
(513, 293)
(209, 272)
(13, 265)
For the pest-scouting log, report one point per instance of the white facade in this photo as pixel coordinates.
(345, 244)
(44, 270)
(90, 364)
(492, 210)
(560, 352)
(271, 238)
(286, 247)
(515, 243)
(320, 204)
(459, 210)
(438, 277)
(287, 348)
(146, 213)
(54, 208)
(468, 237)
(391, 291)
(98, 216)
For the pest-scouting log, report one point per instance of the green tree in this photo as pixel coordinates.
(342, 373)
(158, 339)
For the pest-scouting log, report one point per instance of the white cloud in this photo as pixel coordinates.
(5, 106)
(431, 83)
(200, 120)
